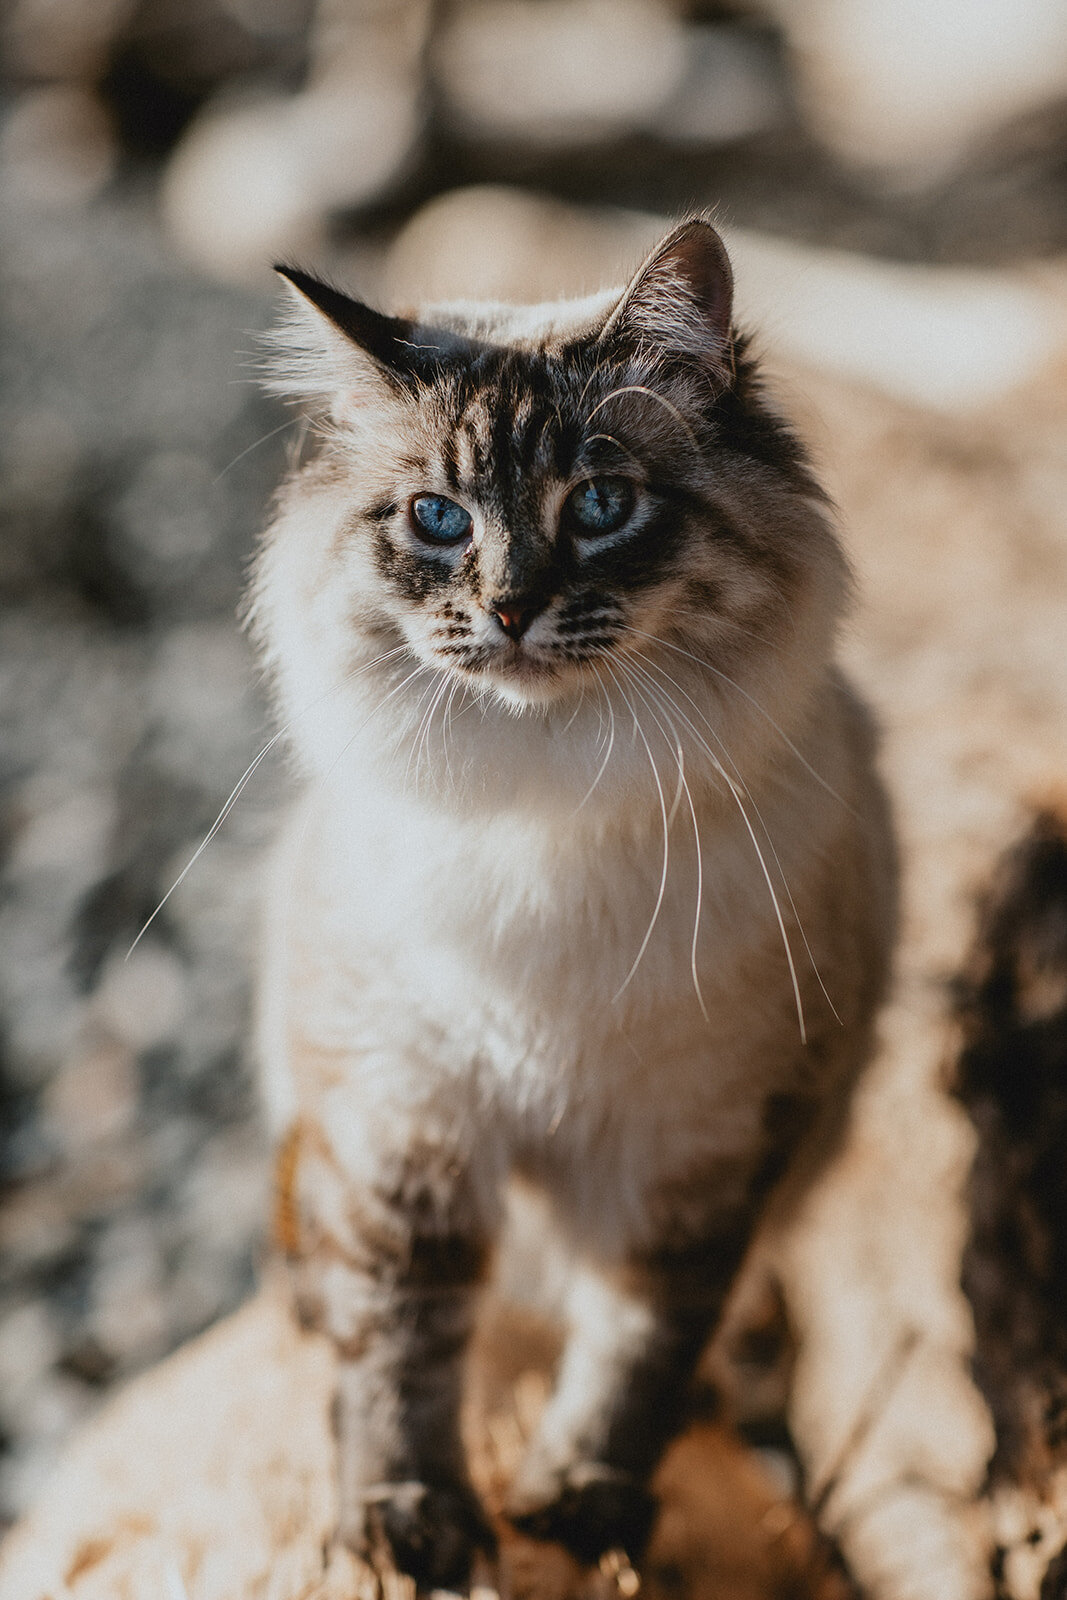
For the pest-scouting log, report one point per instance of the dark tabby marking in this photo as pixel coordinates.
(1012, 1077)
(1013, 1080)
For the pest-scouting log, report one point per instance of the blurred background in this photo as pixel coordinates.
(155, 157)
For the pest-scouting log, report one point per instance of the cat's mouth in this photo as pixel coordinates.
(516, 671)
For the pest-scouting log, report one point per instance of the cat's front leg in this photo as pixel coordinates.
(635, 1338)
(388, 1264)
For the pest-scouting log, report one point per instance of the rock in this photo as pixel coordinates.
(909, 89)
(59, 146)
(561, 71)
(255, 182)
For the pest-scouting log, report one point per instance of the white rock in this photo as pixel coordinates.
(559, 70)
(910, 86)
(58, 146)
(253, 183)
(94, 1095)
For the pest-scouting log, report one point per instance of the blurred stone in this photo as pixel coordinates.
(167, 510)
(94, 1096)
(560, 70)
(496, 243)
(730, 89)
(61, 38)
(141, 999)
(29, 1348)
(909, 88)
(57, 146)
(235, 196)
(129, 1316)
(225, 1198)
(199, 688)
(69, 836)
(254, 183)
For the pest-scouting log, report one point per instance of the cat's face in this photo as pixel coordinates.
(531, 501)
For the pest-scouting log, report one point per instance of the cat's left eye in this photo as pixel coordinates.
(599, 506)
(438, 520)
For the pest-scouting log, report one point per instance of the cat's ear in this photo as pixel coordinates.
(681, 300)
(335, 350)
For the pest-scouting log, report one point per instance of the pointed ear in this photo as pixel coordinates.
(335, 349)
(681, 300)
(387, 339)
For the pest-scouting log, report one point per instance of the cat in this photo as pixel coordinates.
(592, 888)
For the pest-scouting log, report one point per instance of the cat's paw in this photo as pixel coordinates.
(430, 1533)
(593, 1510)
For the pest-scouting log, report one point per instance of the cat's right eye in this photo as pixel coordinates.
(438, 520)
(600, 506)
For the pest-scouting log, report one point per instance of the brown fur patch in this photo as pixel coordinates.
(286, 1230)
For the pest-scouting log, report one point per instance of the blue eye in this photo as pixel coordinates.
(439, 521)
(600, 505)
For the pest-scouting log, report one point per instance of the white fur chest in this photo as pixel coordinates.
(485, 970)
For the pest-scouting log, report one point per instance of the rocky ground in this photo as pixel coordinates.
(137, 458)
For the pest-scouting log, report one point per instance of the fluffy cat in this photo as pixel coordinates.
(592, 887)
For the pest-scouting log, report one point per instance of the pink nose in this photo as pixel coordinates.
(515, 618)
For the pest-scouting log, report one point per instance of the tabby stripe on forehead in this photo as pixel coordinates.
(450, 462)
(503, 440)
(469, 434)
(537, 445)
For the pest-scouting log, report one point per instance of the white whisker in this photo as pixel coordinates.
(666, 838)
(736, 790)
(607, 752)
(754, 703)
(243, 781)
(569, 724)
(651, 394)
(758, 814)
(429, 699)
(611, 439)
(350, 741)
(290, 422)
(684, 784)
(446, 729)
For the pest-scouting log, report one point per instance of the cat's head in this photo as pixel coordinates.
(533, 500)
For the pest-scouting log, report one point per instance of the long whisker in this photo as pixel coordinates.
(418, 669)
(607, 752)
(446, 683)
(611, 439)
(446, 729)
(428, 698)
(290, 422)
(640, 388)
(754, 703)
(683, 781)
(245, 778)
(666, 837)
(758, 814)
(735, 789)
(569, 724)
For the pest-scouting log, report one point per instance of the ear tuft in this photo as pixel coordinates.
(387, 339)
(681, 299)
